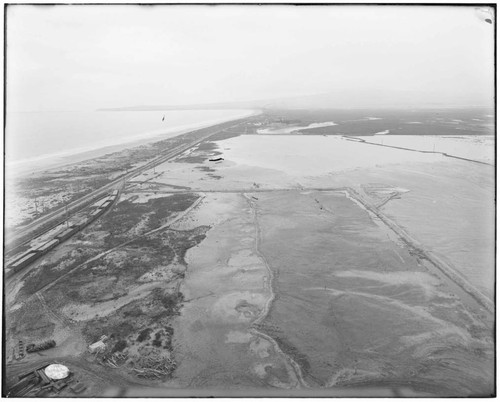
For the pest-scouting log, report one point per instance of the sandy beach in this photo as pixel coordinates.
(22, 204)
(103, 146)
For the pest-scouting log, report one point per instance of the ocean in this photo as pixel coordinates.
(35, 140)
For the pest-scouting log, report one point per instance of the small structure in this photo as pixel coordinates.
(43, 377)
(32, 347)
(96, 347)
(21, 349)
(78, 388)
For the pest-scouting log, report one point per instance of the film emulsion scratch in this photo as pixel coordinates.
(249, 200)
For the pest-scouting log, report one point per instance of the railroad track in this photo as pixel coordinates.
(40, 225)
(178, 217)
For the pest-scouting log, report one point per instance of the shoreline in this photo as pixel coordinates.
(23, 168)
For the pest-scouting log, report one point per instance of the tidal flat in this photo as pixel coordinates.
(265, 264)
(352, 305)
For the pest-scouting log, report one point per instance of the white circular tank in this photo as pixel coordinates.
(56, 371)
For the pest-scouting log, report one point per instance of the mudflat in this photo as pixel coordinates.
(269, 264)
(351, 304)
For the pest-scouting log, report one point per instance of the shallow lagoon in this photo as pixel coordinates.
(339, 280)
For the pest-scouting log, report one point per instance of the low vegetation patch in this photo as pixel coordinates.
(139, 334)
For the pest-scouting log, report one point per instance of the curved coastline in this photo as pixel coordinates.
(76, 155)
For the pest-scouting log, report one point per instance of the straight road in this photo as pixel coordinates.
(37, 226)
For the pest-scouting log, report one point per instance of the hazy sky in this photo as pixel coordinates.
(87, 57)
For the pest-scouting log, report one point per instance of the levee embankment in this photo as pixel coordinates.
(417, 249)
